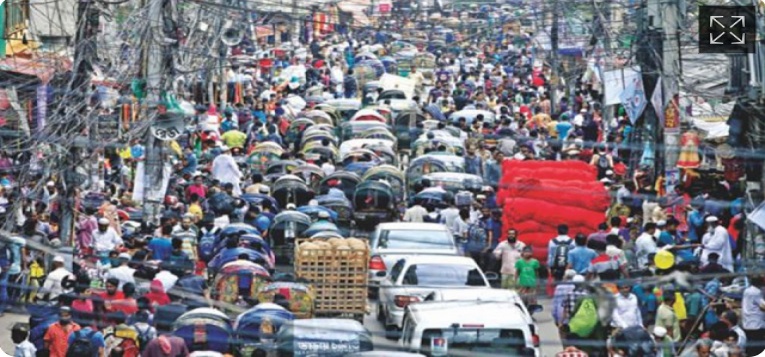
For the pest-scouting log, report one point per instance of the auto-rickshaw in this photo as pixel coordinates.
(375, 64)
(291, 189)
(364, 56)
(342, 207)
(353, 129)
(318, 117)
(300, 296)
(312, 337)
(279, 168)
(263, 154)
(316, 150)
(449, 143)
(380, 134)
(455, 181)
(404, 123)
(257, 327)
(296, 128)
(345, 107)
(204, 329)
(392, 175)
(390, 64)
(239, 279)
(341, 180)
(365, 73)
(368, 115)
(285, 227)
(430, 163)
(360, 155)
(318, 133)
(401, 46)
(375, 202)
(311, 173)
(351, 145)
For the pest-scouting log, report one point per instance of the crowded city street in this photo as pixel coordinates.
(381, 178)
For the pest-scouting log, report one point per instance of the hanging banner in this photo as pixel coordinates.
(657, 100)
(672, 115)
(633, 98)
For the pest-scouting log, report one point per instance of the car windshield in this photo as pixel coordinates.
(415, 239)
(443, 275)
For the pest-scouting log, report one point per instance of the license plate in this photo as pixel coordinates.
(439, 346)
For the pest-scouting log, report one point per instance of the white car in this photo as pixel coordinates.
(393, 241)
(412, 279)
(464, 328)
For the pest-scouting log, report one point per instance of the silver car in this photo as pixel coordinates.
(414, 278)
(393, 241)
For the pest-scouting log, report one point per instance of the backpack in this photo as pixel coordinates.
(477, 237)
(560, 258)
(585, 317)
(82, 345)
(143, 337)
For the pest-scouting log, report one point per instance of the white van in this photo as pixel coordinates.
(460, 327)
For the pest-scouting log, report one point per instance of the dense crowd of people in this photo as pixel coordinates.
(128, 285)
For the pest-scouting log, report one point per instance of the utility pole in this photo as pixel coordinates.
(554, 59)
(154, 71)
(671, 73)
(85, 55)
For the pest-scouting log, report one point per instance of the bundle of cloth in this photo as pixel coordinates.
(537, 196)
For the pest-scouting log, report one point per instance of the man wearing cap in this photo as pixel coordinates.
(716, 240)
(123, 272)
(664, 345)
(226, 170)
(57, 337)
(52, 286)
(105, 239)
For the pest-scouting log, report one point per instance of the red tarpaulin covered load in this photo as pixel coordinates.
(537, 196)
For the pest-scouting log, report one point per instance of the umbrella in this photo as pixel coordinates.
(295, 102)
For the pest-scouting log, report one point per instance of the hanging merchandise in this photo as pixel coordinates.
(689, 150)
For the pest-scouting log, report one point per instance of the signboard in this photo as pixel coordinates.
(616, 81)
(385, 7)
(311, 347)
(167, 126)
(108, 127)
(633, 99)
(672, 115)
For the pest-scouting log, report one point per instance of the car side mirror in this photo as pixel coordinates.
(492, 276)
(381, 274)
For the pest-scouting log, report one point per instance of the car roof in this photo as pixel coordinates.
(478, 294)
(446, 313)
(440, 259)
(411, 226)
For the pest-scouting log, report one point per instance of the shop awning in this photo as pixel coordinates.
(42, 68)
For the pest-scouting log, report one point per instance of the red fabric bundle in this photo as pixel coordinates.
(537, 196)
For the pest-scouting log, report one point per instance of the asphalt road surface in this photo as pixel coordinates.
(548, 332)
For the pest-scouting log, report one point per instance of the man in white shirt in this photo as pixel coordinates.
(753, 317)
(416, 213)
(123, 273)
(226, 170)
(646, 244)
(626, 309)
(52, 287)
(716, 240)
(450, 214)
(105, 239)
